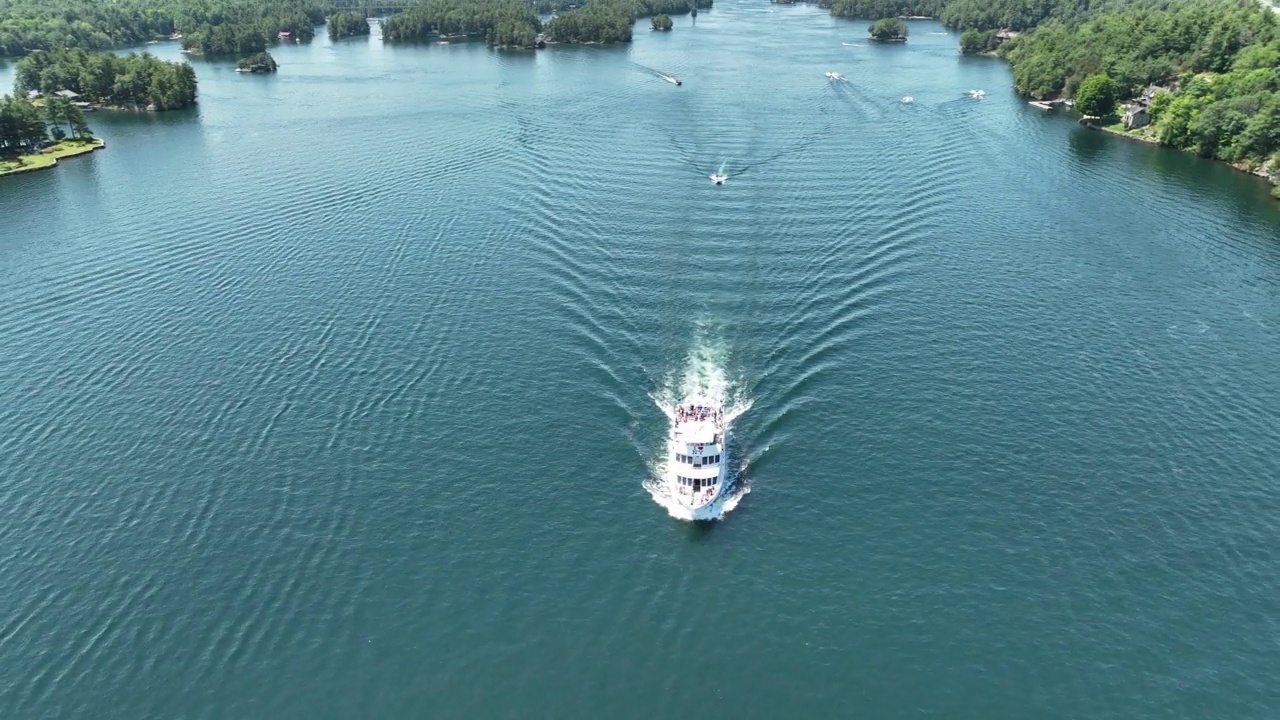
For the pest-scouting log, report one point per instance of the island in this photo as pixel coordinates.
(32, 136)
(890, 29)
(257, 63)
(101, 79)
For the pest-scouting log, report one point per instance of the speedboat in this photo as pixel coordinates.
(672, 80)
(697, 460)
(977, 94)
(908, 100)
(719, 179)
(834, 76)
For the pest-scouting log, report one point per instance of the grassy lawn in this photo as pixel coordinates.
(49, 156)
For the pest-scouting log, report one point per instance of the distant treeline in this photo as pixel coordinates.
(500, 22)
(971, 14)
(130, 81)
(208, 26)
(346, 24)
(246, 26)
(605, 21)
(242, 27)
(871, 9)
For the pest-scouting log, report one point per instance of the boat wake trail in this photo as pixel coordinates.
(703, 377)
(657, 73)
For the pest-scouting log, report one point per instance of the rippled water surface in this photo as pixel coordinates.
(334, 397)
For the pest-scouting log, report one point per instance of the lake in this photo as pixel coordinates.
(338, 396)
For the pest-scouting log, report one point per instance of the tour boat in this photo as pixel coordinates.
(697, 460)
(834, 76)
(908, 100)
(719, 179)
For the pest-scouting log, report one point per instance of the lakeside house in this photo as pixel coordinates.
(1137, 112)
(1004, 34)
(67, 94)
(285, 35)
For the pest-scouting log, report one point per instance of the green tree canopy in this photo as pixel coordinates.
(975, 41)
(870, 9)
(346, 24)
(133, 80)
(662, 22)
(22, 129)
(207, 26)
(1097, 96)
(890, 28)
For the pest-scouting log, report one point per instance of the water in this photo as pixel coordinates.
(335, 397)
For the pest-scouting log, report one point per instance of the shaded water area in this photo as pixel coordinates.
(333, 397)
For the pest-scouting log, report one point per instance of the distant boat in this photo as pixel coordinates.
(719, 179)
(671, 79)
(907, 100)
(977, 94)
(835, 76)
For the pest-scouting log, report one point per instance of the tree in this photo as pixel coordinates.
(662, 22)
(889, 29)
(1097, 96)
(975, 41)
(22, 129)
(80, 129)
(55, 110)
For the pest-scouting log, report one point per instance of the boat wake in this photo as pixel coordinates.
(703, 377)
(658, 73)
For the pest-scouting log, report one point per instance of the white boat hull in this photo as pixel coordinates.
(697, 478)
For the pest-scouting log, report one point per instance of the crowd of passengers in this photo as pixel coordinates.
(694, 413)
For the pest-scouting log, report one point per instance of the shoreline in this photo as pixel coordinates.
(48, 158)
(1259, 172)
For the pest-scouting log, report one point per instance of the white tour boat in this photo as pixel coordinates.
(834, 76)
(697, 460)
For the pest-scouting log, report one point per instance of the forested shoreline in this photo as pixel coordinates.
(132, 81)
(1199, 75)
(244, 27)
(212, 27)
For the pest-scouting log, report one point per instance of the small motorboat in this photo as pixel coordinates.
(907, 100)
(834, 76)
(977, 94)
(719, 179)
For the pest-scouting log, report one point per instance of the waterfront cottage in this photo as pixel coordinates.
(1135, 116)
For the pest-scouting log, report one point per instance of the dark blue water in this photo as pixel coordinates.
(334, 397)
